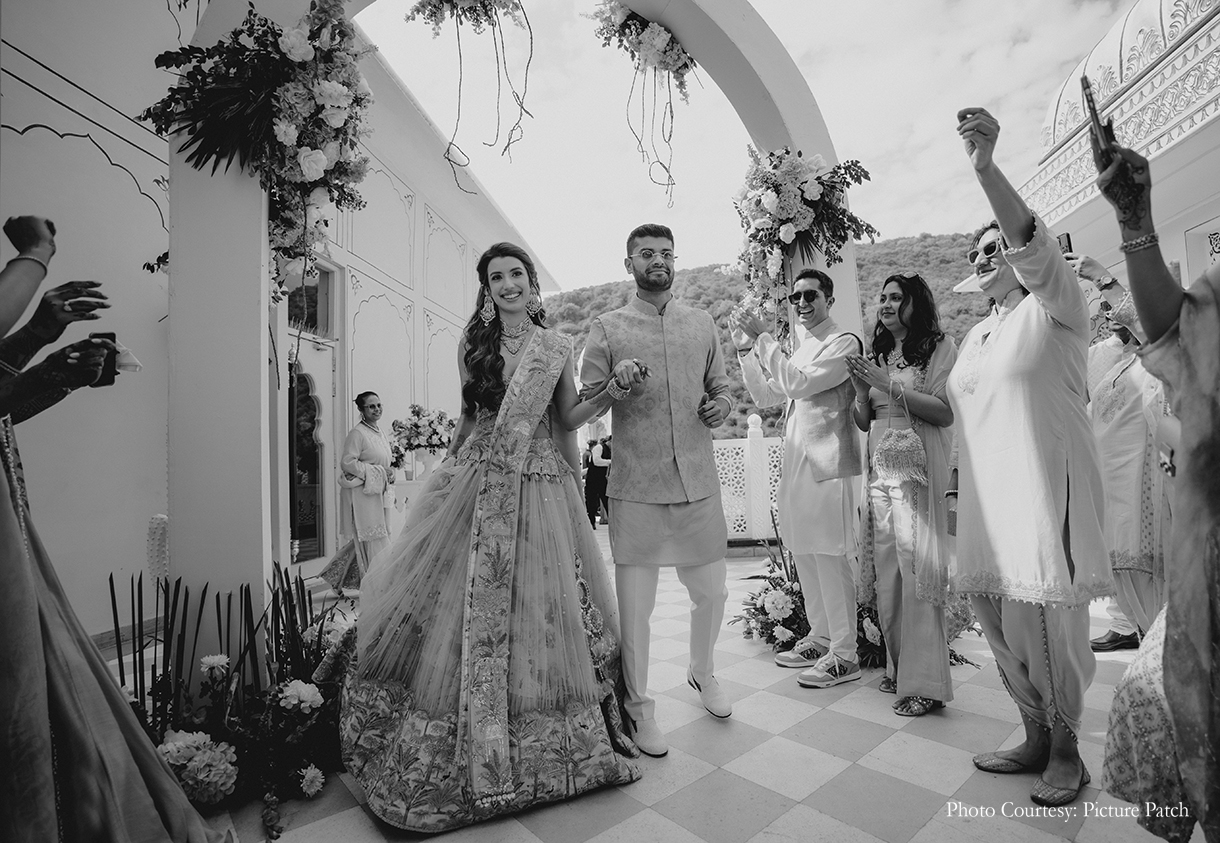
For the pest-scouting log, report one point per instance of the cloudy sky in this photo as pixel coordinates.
(888, 77)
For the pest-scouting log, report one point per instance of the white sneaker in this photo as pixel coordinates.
(828, 672)
(713, 697)
(805, 653)
(647, 736)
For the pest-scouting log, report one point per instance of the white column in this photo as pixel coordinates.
(219, 395)
(758, 481)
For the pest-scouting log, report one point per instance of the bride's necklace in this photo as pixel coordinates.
(513, 339)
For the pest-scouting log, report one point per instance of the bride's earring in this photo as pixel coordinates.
(533, 305)
(488, 311)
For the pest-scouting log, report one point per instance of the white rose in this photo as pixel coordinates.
(312, 163)
(319, 196)
(787, 232)
(770, 201)
(818, 163)
(328, 94)
(335, 116)
(295, 44)
(331, 151)
(285, 132)
(812, 190)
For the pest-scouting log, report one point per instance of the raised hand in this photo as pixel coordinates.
(31, 235)
(76, 301)
(1127, 185)
(748, 323)
(979, 132)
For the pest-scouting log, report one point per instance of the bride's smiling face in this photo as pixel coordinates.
(509, 285)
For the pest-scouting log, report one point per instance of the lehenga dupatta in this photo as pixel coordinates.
(485, 653)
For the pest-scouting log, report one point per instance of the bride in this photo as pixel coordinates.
(487, 675)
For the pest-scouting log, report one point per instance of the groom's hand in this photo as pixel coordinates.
(711, 411)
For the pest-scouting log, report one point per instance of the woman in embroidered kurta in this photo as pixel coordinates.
(1029, 548)
(488, 653)
(366, 496)
(904, 526)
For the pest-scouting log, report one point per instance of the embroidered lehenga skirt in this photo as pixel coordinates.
(449, 722)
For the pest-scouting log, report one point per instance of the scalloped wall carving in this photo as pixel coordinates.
(445, 272)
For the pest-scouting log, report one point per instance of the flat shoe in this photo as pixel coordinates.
(887, 685)
(916, 706)
(1052, 797)
(989, 762)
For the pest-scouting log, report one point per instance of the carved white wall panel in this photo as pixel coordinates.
(382, 355)
(383, 232)
(730, 457)
(441, 388)
(447, 270)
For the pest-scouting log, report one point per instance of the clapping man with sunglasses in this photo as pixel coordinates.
(670, 389)
(822, 458)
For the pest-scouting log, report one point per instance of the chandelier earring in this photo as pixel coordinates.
(488, 311)
(533, 305)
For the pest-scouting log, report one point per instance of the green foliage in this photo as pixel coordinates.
(939, 258)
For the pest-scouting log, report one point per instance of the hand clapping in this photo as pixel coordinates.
(865, 373)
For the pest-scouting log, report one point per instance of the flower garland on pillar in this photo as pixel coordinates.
(792, 205)
(480, 15)
(654, 48)
(290, 106)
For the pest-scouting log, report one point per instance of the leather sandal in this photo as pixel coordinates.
(916, 706)
(990, 762)
(887, 685)
(1052, 797)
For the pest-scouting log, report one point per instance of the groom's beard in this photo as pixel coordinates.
(654, 284)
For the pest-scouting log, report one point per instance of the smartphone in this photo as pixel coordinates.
(1104, 133)
(109, 367)
(1065, 243)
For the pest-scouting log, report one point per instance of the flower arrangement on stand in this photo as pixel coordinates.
(793, 205)
(420, 434)
(290, 106)
(480, 15)
(654, 48)
(255, 726)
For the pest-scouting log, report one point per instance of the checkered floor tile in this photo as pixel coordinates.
(791, 764)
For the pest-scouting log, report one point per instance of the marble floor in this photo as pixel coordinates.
(791, 764)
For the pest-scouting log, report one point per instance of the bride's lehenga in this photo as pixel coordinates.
(488, 667)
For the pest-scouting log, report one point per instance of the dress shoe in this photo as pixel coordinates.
(1113, 641)
(711, 695)
(648, 738)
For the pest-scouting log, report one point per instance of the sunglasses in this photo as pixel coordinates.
(810, 296)
(988, 251)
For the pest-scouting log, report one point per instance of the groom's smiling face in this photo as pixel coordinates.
(654, 274)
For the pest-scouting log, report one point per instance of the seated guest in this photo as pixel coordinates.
(1163, 744)
(1030, 549)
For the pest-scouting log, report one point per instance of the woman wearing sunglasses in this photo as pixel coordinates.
(821, 456)
(1030, 551)
(901, 404)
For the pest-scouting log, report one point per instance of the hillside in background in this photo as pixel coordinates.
(939, 258)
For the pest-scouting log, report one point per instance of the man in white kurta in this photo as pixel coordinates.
(815, 499)
(665, 507)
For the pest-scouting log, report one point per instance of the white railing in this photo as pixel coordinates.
(749, 476)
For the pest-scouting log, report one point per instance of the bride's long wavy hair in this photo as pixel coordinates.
(484, 386)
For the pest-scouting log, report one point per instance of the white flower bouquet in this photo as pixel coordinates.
(206, 769)
(421, 430)
(650, 45)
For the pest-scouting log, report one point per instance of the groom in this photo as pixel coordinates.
(664, 492)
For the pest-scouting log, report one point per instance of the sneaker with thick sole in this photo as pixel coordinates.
(828, 672)
(647, 736)
(713, 697)
(805, 653)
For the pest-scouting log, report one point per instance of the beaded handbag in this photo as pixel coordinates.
(900, 456)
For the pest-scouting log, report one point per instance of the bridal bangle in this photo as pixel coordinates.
(1140, 243)
(615, 391)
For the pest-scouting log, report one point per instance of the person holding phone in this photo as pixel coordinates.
(1030, 550)
(1163, 741)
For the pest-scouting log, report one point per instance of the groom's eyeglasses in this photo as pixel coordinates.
(810, 296)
